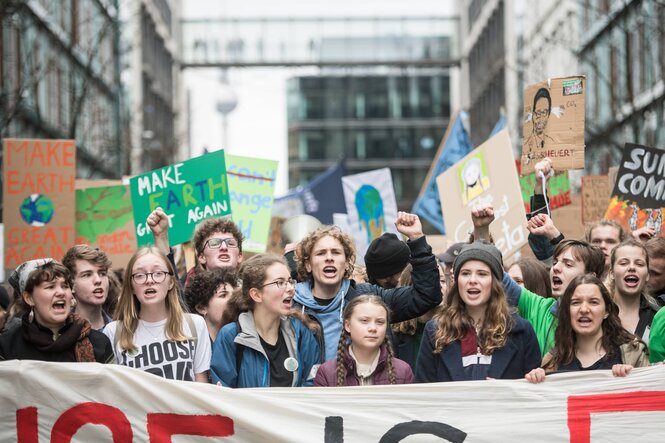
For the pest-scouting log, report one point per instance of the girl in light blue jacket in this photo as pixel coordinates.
(265, 342)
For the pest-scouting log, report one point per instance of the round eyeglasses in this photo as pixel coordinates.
(281, 284)
(141, 278)
(216, 243)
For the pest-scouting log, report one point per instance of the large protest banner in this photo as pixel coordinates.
(251, 187)
(44, 402)
(188, 192)
(104, 218)
(39, 200)
(553, 124)
(595, 192)
(638, 197)
(371, 207)
(485, 176)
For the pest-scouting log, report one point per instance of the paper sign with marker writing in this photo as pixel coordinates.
(188, 192)
(104, 218)
(251, 187)
(595, 197)
(485, 176)
(371, 206)
(39, 180)
(638, 197)
(553, 124)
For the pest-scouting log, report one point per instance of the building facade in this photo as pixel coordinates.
(373, 121)
(60, 78)
(153, 82)
(622, 53)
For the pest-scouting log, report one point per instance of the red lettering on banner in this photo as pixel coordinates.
(94, 413)
(580, 408)
(26, 425)
(161, 427)
(41, 152)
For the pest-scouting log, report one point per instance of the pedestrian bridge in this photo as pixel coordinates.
(320, 41)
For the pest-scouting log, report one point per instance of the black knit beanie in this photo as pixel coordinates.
(386, 255)
(485, 252)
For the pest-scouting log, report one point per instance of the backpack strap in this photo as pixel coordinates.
(192, 328)
(239, 349)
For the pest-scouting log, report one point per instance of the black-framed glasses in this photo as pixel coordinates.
(281, 284)
(216, 243)
(141, 278)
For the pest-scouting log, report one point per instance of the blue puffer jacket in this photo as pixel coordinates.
(254, 371)
(514, 360)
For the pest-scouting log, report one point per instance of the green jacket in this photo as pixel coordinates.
(541, 313)
(657, 338)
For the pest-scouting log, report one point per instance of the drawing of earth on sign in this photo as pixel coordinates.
(369, 205)
(37, 210)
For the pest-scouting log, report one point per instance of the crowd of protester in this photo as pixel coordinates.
(315, 318)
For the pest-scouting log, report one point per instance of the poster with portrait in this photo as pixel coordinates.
(553, 123)
(485, 176)
(638, 196)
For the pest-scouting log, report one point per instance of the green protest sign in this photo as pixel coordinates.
(188, 192)
(252, 185)
(104, 218)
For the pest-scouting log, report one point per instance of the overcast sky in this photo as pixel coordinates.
(257, 127)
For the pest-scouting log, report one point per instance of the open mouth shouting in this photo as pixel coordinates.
(288, 301)
(330, 272)
(59, 307)
(557, 283)
(631, 281)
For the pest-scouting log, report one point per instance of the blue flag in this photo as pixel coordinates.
(500, 124)
(456, 145)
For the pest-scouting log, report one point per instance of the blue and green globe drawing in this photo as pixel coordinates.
(37, 210)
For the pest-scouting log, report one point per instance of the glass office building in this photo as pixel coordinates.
(372, 121)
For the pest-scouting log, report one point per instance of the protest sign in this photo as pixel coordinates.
(553, 124)
(638, 196)
(39, 200)
(558, 189)
(251, 187)
(44, 401)
(595, 197)
(188, 192)
(104, 218)
(485, 176)
(371, 207)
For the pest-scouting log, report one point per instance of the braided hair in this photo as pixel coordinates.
(345, 339)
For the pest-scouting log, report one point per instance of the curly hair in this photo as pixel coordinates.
(211, 226)
(345, 338)
(128, 308)
(303, 252)
(453, 321)
(565, 338)
(204, 285)
(252, 274)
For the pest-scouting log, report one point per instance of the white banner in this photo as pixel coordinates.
(371, 207)
(53, 402)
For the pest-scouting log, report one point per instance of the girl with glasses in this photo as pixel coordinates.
(152, 331)
(265, 342)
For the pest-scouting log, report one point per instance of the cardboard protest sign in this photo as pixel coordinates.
(558, 189)
(553, 124)
(596, 192)
(371, 206)
(39, 177)
(104, 218)
(188, 192)
(638, 197)
(251, 187)
(576, 407)
(485, 176)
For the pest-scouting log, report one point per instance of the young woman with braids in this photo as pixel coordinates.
(589, 334)
(264, 342)
(364, 354)
(475, 336)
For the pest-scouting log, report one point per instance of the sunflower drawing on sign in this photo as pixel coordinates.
(473, 177)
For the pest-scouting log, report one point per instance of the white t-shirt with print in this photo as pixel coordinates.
(156, 354)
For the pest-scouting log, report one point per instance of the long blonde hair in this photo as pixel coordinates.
(129, 307)
(453, 320)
